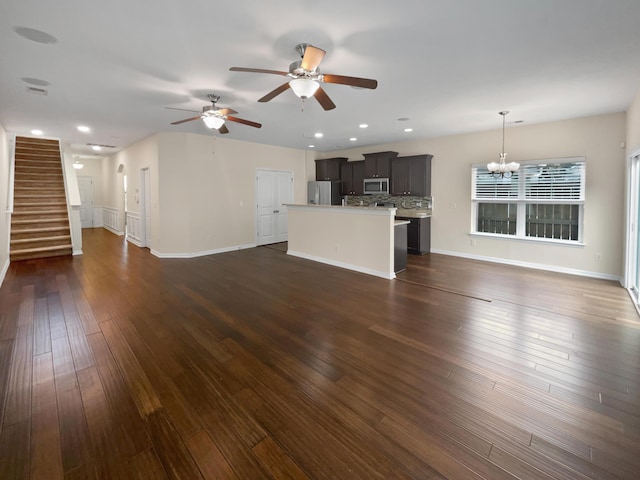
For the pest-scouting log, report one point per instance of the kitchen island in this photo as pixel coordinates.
(356, 238)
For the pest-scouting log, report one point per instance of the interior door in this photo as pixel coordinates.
(85, 185)
(284, 195)
(273, 189)
(145, 195)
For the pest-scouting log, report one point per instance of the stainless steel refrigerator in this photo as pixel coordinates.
(325, 192)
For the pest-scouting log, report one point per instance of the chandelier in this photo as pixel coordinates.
(502, 169)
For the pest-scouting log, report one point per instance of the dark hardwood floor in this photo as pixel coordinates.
(255, 365)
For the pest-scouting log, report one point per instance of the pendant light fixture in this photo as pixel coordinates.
(502, 169)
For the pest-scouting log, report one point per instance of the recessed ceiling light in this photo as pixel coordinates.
(36, 132)
(318, 135)
(353, 139)
(36, 90)
(83, 128)
(96, 147)
(403, 119)
(312, 146)
(408, 130)
(363, 125)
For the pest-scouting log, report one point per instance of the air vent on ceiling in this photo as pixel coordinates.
(100, 145)
(36, 90)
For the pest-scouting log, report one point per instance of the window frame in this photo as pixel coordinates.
(521, 201)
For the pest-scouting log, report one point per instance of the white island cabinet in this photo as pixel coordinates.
(357, 238)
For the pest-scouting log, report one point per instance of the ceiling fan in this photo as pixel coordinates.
(305, 77)
(214, 117)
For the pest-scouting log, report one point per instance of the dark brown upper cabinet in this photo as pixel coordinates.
(378, 164)
(352, 176)
(329, 168)
(411, 176)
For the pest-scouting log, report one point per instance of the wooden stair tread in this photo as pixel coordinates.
(22, 231)
(41, 239)
(40, 212)
(38, 195)
(36, 220)
(42, 204)
(40, 249)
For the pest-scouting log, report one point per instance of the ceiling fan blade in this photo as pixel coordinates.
(186, 120)
(182, 109)
(274, 93)
(226, 111)
(223, 129)
(244, 122)
(353, 81)
(257, 70)
(312, 57)
(324, 100)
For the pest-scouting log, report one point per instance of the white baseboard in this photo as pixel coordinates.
(203, 253)
(112, 230)
(135, 241)
(5, 269)
(536, 266)
(348, 266)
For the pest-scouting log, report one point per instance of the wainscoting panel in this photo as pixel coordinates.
(134, 228)
(98, 217)
(111, 220)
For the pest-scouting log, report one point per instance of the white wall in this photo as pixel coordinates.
(5, 217)
(143, 154)
(597, 138)
(334, 235)
(203, 188)
(633, 125)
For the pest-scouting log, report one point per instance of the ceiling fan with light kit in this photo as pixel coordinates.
(214, 117)
(305, 78)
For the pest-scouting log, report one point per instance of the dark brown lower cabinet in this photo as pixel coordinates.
(418, 235)
(400, 248)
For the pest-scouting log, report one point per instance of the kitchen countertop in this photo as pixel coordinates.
(401, 212)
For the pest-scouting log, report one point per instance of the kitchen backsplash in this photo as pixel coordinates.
(419, 204)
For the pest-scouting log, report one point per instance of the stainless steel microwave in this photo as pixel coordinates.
(376, 185)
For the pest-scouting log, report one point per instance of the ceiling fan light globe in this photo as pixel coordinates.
(213, 122)
(304, 87)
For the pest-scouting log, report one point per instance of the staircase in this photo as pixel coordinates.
(40, 219)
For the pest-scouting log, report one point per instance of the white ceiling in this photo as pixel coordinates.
(447, 65)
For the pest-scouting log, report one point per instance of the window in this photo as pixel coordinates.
(542, 200)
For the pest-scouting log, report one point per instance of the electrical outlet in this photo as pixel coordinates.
(473, 242)
(598, 257)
